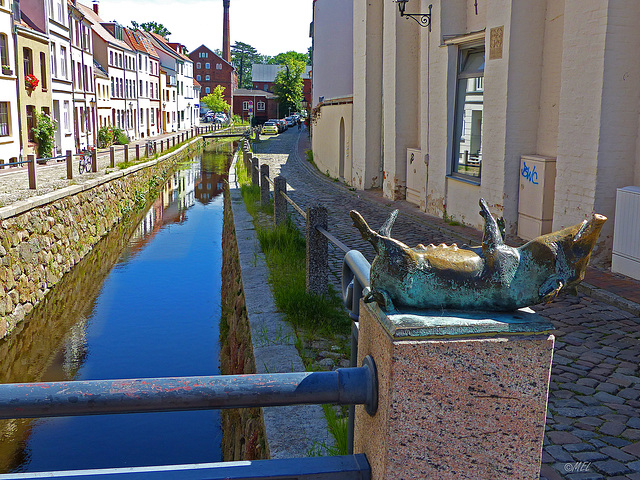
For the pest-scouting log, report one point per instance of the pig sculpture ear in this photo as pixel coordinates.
(385, 230)
(491, 238)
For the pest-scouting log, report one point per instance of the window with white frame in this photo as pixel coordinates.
(66, 116)
(218, 66)
(207, 65)
(260, 105)
(467, 145)
(207, 77)
(63, 61)
(207, 90)
(245, 105)
(4, 119)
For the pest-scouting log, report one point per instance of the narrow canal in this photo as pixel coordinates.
(144, 303)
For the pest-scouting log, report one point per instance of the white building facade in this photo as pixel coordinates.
(464, 109)
(9, 125)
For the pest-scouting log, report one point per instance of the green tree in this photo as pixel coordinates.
(288, 86)
(43, 133)
(154, 27)
(284, 58)
(215, 101)
(243, 56)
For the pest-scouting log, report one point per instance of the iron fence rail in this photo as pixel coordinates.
(346, 467)
(344, 386)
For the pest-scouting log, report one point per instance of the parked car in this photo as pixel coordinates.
(282, 125)
(270, 128)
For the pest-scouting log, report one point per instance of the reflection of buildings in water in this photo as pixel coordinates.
(176, 197)
(210, 186)
(471, 136)
(75, 349)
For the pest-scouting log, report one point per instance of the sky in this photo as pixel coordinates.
(271, 26)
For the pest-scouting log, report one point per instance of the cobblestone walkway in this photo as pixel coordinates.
(593, 419)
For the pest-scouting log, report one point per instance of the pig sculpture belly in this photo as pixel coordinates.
(494, 277)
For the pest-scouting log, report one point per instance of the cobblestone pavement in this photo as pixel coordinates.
(593, 419)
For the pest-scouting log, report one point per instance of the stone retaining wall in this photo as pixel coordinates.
(243, 431)
(43, 238)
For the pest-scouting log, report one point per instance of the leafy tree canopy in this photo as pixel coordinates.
(288, 85)
(243, 56)
(215, 101)
(283, 58)
(154, 27)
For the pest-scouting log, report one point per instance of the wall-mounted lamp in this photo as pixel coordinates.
(423, 19)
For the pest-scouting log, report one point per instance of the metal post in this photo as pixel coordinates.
(155, 146)
(161, 146)
(112, 157)
(147, 149)
(255, 172)
(174, 140)
(264, 185)
(137, 152)
(94, 161)
(126, 153)
(280, 204)
(31, 167)
(317, 251)
(69, 164)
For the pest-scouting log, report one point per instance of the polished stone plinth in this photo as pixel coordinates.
(461, 395)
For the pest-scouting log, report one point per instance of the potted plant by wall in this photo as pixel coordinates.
(31, 81)
(6, 70)
(44, 135)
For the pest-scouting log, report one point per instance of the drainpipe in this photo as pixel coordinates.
(14, 31)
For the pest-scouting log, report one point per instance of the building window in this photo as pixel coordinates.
(31, 122)
(260, 106)
(207, 90)
(266, 87)
(198, 77)
(28, 61)
(43, 70)
(467, 148)
(54, 60)
(4, 50)
(207, 65)
(245, 105)
(218, 66)
(66, 116)
(207, 77)
(198, 65)
(4, 119)
(63, 62)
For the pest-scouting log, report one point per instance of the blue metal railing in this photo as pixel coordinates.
(344, 386)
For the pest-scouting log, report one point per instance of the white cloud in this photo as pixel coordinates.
(271, 26)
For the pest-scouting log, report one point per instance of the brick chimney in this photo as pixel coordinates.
(226, 39)
(95, 6)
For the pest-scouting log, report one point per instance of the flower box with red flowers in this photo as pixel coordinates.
(31, 81)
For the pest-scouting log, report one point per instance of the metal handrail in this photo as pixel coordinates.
(333, 239)
(344, 386)
(294, 205)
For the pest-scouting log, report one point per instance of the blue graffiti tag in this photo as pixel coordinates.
(529, 174)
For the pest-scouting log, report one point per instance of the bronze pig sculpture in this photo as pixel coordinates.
(493, 277)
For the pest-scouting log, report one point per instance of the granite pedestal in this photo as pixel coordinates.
(462, 395)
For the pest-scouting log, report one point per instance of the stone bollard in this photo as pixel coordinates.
(317, 251)
(31, 171)
(174, 140)
(69, 159)
(126, 153)
(461, 395)
(155, 147)
(255, 172)
(264, 185)
(137, 151)
(112, 157)
(94, 160)
(161, 146)
(280, 204)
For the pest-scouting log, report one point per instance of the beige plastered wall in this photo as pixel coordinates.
(328, 149)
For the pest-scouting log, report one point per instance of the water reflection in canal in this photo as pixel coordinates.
(144, 303)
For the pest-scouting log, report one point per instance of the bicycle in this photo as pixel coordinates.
(151, 148)
(85, 161)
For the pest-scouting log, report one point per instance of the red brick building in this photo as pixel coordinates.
(209, 70)
(265, 104)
